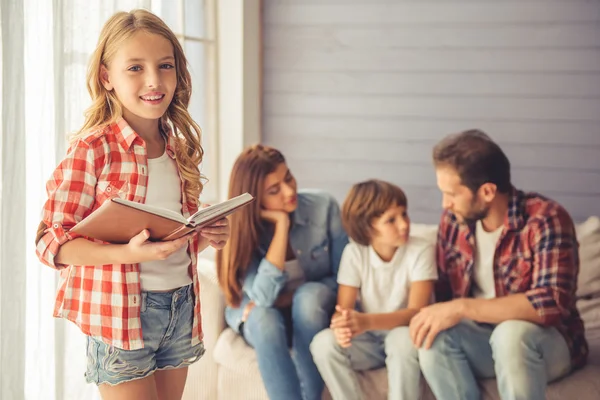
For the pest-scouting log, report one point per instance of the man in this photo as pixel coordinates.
(508, 264)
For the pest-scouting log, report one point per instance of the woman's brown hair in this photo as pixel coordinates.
(248, 175)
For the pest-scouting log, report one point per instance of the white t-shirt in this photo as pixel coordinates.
(164, 190)
(385, 286)
(483, 273)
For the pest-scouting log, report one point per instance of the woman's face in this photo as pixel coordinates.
(279, 190)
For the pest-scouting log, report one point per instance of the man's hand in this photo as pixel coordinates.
(351, 319)
(431, 320)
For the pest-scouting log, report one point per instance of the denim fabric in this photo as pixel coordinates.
(167, 319)
(318, 240)
(290, 376)
(523, 357)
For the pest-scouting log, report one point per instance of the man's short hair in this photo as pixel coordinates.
(476, 158)
(366, 201)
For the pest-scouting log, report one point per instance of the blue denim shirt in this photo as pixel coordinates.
(317, 239)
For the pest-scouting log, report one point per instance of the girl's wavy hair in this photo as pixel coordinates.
(107, 109)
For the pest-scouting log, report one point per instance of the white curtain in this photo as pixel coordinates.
(45, 46)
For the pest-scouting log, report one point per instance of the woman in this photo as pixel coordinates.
(278, 271)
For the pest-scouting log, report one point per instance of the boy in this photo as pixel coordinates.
(387, 276)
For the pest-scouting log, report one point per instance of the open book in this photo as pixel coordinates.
(118, 220)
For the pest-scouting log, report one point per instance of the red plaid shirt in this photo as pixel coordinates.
(104, 301)
(537, 254)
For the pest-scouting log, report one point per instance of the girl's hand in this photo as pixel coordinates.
(275, 217)
(217, 234)
(139, 249)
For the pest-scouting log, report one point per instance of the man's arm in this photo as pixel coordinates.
(555, 266)
(495, 311)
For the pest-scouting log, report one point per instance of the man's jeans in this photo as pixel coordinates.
(286, 377)
(392, 349)
(523, 357)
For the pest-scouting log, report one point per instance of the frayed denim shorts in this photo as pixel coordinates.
(167, 319)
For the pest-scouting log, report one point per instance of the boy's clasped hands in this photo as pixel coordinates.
(347, 323)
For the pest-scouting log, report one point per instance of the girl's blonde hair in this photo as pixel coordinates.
(106, 108)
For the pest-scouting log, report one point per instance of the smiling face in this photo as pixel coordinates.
(142, 73)
(279, 190)
(468, 207)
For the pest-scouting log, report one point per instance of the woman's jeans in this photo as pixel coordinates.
(291, 376)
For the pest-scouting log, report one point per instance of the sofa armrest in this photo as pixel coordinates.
(203, 376)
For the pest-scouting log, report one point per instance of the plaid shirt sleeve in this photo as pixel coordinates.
(555, 267)
(443, 289)
(71, 192)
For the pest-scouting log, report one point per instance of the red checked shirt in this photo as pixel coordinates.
(104, 301)
(536, 254)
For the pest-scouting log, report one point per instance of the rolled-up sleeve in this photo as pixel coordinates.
(71, 192)
(264, 282)
(555, 268)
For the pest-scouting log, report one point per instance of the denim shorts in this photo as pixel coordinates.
(167, 319)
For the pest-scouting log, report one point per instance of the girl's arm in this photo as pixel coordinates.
(81, 251)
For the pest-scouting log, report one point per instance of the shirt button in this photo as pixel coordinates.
(144, 170)
(109, 189)
(55, 226)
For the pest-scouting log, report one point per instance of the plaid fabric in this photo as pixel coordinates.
(104, 301)
(537, 254)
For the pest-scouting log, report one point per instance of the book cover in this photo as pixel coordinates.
(118, 220)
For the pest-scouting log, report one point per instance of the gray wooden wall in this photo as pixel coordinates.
(355, 89)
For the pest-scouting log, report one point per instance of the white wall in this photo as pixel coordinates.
(355, 89)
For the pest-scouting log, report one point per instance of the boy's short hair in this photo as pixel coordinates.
(365, 201)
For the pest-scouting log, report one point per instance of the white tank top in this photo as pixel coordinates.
(164, 190)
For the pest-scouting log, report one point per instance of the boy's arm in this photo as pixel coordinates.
(347, 296)
(419, 297)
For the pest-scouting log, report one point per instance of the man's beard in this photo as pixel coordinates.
(476, 214)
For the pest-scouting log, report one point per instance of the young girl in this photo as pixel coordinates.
(139, 302)
(278, 271)
(391, 275)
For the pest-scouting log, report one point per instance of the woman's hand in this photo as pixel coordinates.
(216, 234)
(279, 218)
(139, 249)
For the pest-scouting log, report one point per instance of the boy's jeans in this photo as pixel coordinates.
(374, 349)
(523, 357)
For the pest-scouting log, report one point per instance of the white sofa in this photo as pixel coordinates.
(229, 370)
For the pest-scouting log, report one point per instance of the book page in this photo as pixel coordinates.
(222, 208)
(163, 212)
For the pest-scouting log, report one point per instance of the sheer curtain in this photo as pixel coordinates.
(44, 47)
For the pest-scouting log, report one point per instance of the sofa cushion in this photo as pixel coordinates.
(232, 352)
(588, 235)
